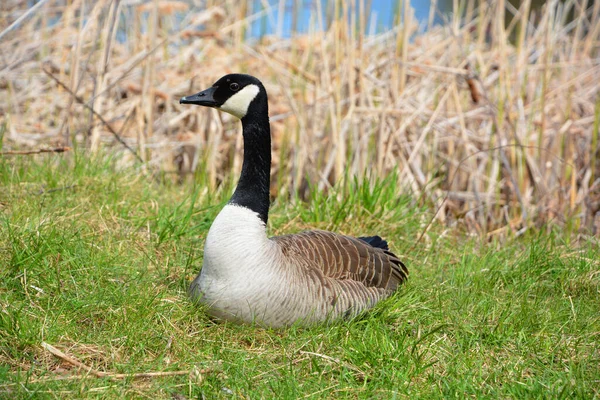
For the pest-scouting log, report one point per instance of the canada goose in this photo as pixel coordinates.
(303, 278)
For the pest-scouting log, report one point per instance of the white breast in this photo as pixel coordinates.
(240, 266)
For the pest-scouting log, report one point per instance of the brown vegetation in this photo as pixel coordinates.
(496, 124)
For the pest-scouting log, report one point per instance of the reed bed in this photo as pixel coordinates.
(490, 118)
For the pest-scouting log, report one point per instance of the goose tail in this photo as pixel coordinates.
(375, 241)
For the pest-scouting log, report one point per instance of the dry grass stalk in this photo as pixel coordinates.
(100, 374)
(506, 114)
(38, 151)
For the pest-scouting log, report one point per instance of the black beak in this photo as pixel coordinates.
(204, 98)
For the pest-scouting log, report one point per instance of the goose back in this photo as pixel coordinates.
(343, 257)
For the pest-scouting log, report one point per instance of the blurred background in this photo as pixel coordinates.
(486, 112)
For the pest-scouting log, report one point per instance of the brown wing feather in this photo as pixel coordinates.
(344, 257)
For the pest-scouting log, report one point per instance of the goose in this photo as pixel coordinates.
(305, 278)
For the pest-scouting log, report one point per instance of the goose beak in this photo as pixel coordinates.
(204, 98)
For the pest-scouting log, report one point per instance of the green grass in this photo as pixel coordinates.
(95, 260)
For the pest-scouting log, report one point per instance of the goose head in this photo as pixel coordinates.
(236, 94)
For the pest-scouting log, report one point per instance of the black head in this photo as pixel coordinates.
(234, 93)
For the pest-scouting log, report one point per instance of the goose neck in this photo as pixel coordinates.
(252, 190)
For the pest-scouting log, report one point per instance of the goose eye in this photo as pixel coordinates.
(234, 87)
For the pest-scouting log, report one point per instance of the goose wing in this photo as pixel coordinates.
(344, 257)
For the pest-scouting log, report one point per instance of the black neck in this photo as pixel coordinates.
(252, 190)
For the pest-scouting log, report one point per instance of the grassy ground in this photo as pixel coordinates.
(95, 261)
(498, 107)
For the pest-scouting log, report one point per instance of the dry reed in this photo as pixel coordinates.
(494, 120)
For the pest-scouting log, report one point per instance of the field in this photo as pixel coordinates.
(472, 147)
(96, 263)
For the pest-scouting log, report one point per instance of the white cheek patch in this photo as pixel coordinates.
(238, 103)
